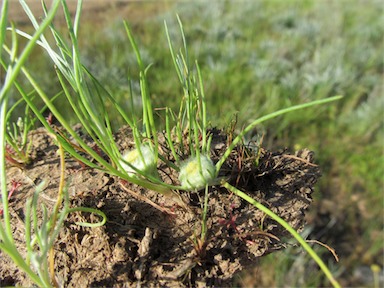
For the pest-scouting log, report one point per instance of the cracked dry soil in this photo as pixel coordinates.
(149, 245)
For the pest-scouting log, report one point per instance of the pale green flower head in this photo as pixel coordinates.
(194, 175)
(145, 163)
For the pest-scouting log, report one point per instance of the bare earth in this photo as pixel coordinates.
(149, 245)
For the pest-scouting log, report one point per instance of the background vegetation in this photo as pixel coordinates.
(257, 57)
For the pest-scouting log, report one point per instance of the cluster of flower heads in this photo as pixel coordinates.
(195, 172)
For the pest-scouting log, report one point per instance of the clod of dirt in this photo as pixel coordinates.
(149, 239)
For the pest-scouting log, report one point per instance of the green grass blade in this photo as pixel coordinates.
(11, 75)
(293, 232)
(148, 120)
(3, 22)
(265, 118)
(205, 146)
(169, 135)
(89, 210)
(28, 49)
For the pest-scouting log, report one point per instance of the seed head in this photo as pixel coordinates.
(194, 175)
(143, 160)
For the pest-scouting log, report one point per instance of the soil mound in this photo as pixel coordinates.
(151, 240)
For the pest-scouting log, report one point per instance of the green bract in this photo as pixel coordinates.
(197, 172)
(141, 160)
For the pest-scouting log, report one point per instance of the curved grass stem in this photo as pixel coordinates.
(265, 118)
(293, 232)
(89, 210)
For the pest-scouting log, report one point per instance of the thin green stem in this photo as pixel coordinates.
(28, 49)
(3, 22)
(148, 121)
(9, 248)
(173, 56)
(205, 214)
(12, 73)
(169, 135)
(204, 146)
(265, 118)
(3, 179)
(89, 210)
(293, 232)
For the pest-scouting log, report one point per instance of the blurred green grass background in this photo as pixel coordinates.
(257, 57)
